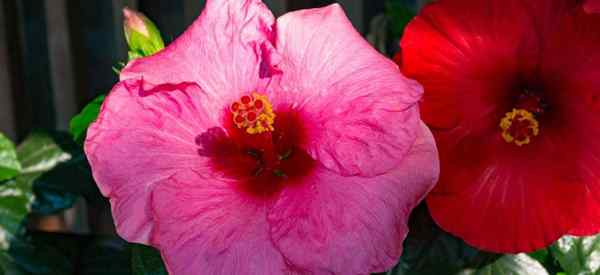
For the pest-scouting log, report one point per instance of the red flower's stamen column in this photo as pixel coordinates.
(519, 126)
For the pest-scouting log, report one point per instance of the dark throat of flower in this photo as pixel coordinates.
(260, 149)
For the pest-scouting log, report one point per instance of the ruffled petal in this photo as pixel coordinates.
(363, 110)
(353, 225)
(205, 226)
(143, 136)
(222, 51)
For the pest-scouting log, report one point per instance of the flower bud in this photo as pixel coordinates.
(141, 34)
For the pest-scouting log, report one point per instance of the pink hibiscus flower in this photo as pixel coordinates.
(259, 146)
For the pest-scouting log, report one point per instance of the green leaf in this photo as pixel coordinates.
(428, 250)
(55, 168)
(146, 260)
(541, 255)
(79, 124)
(9, 164)
(47, 253)
(400, 14)
(520, 264)
(15, 203)
(39, 154)
(58, 188)
(26, 258)
(106, 255)
(544, 257)
(578, 255)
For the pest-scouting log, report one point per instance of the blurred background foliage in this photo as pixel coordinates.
(53, 219)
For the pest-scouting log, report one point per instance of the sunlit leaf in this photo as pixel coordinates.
(79, 124)
(521, 264)
(578, 255)
(56, 170)
(9, 164)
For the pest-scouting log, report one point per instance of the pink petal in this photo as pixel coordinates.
(363, 109)
(205, 226)
(141, 138)
(353, 225)
(221, 51)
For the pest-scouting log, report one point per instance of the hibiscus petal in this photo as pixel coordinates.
(222, 51)
(363, 110)
(575, 82)
(501, 198)
(353, 225)
(205, 226)
(142, 137)
(589, 223)
(466, 76)
(592, 6)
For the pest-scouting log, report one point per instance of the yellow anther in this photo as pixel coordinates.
(519, 126)
(253, 113)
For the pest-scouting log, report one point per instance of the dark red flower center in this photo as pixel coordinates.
(260, 149)
(520, 125)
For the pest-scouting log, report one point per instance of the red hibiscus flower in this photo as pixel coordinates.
(512, 92)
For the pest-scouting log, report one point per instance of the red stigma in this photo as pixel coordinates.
(239, 119)
(235, 107)
(246, 99)
(251, 116)
(258, 104)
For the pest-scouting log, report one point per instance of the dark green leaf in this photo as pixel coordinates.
(55, 168)
(520, 264)
(27, 258)
(80, 123)
(428, 250)
(146, 261)
(58, 188)
(106, 255)
(399, 15)
(541, 255)
(89, 255)
(9, 164)
(544, 257)
(578, 255)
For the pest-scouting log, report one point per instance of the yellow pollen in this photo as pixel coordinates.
(519, 126)
(253, 113)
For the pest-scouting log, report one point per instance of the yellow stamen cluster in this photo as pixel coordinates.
(253, 113)
(523, 123)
